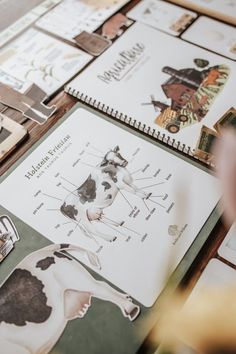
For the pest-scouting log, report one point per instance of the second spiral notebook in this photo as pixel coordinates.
(162, 85)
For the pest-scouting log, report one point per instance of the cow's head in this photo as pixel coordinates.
(113, 157)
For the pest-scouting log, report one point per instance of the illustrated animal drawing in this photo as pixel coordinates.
(87, 203)
(46, 290)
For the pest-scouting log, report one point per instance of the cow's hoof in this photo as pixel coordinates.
(133, 313)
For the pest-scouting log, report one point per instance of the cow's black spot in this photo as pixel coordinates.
(106, 185)
(64, 245)
(22, 299)
(45, 263)
(109, 196)
(69, 210)
(62, 254)
(87, 192)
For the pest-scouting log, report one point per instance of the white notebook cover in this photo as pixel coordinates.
(190, 86)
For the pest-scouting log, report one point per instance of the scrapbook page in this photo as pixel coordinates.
(114, 194)
(71, 17)
(175, 95)
(43, 60)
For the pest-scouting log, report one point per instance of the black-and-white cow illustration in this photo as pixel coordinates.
(46, 290)
(99, 190)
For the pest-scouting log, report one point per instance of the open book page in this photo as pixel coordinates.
(168, 84)
(113, 193)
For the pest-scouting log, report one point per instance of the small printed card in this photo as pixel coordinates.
(38, 58)
(213, 35)
(161, 15)
(72, 17)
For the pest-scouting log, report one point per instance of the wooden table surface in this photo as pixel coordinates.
(64, 102)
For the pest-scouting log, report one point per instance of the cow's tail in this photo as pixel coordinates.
(92, 257)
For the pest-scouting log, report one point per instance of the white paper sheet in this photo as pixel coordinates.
(36, 57)
(152, 233)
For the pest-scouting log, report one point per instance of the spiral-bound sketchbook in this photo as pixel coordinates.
(161, 85)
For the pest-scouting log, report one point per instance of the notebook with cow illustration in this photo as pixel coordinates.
(124, 206)
(161, 85)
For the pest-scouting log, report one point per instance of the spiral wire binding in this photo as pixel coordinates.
(156, 134)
